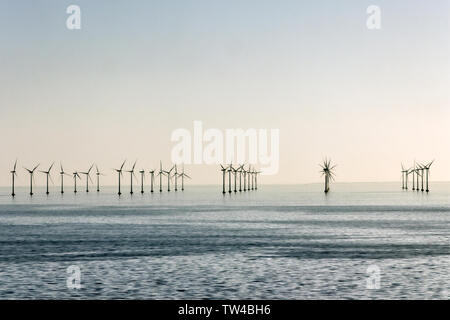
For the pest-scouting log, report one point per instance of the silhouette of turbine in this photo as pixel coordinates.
(131, 172)
(120, 174)
(327, 171)
(14, 174)
(98, 174)
(62, 174)
(47, 173)
(88, 177)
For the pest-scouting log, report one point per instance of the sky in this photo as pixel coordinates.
(137, 70)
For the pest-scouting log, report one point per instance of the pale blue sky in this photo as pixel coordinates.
(137, 70)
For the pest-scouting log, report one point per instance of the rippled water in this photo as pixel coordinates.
(280, 242)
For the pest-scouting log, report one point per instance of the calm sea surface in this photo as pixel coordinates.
(280, 242)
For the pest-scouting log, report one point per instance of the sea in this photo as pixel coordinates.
(360, 241)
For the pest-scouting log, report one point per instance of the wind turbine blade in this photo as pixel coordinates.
(51, 179)
(36, 167)
(15, 165)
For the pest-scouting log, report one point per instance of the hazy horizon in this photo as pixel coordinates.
(135, 72)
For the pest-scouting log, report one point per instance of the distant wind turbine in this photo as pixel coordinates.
(152, 179)
(47, 173)
(62, 174)
(234, 171)
(248, 177)
(168, 173)
(98, 174)
(182, 175)
(131, 172)
(14, 174)
(230, 169)
(31, 172)
(224, 172)
(422, 173)
(175, 175)
(160, 174)
(142, 172)
(120, 174)
(75, 177)
(88, 177)
(405, 173)
(240, 177)
(244, 174)
(427, 171)
(327, 171)
(417, 176)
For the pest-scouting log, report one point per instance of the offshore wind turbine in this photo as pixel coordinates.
(182, 175)
(98, 174)
(244, 173)
(31, 172)
(327, 171)
(152, 179)
(160, 174)
(405, 173)
(131, 172)
(224, 173)
(168, 173)
(408, 172)
(88, 177)
(62, 174)
(75, 177)
(120, 174)
(175, 175)
(14, 174)
(253, 179)
(142, 172)
(240, 177)
(47, 173)
(403, 177)
(427, 171)
(249, 173)
(230, 167)
(234, 171)
(417, 176)
(422, 169)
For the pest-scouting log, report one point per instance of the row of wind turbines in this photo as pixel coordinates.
(249, 177)
(421, 171)
(171, 174)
